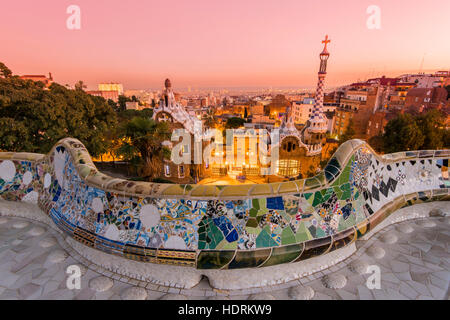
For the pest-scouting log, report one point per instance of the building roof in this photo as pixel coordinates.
(34, 76)
(384, 81)
(424, 92)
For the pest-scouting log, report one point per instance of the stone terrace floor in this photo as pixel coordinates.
(413, 257)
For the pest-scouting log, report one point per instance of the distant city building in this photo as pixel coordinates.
(426, 97)
(279, 104)
(422, 80)
(111, 87)
(47, 81)
(108, 95)
(132, 105)
(141, 95)
(359, 95)
(302, 110)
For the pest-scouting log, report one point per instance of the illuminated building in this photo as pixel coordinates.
(111, 87)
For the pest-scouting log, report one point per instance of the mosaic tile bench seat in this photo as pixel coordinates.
(223, 227)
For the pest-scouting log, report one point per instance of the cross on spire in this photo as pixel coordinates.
(326, 41)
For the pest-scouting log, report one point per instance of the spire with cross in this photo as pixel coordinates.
(326, 42)
(317, 126)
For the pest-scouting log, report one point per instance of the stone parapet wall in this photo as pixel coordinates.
(224, 227)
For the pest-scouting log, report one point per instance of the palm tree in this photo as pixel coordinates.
(142, 147)
(210, 118)
(80, 85)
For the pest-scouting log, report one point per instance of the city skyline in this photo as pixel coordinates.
(222, 45)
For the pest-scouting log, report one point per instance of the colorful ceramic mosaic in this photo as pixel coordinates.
(161, 224)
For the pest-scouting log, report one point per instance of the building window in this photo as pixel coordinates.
(180, 171)
(289, 168)
(167, 170)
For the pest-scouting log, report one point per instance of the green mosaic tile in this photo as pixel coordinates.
(252, 223)
(284, 254)
(345, 224)
(320, 233)
(264, 240)
(214, 259)
(315, 248)
(212, 235)
(347, 193)
(255, 203)
(318, 199)
(287, 236)
(249, 258)
(302, 233)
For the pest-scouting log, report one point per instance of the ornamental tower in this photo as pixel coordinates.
(168, 96)
(317, 124)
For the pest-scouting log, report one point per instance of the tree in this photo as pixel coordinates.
(349, 133)
(245, 113)
(142, 145)
(402, 134)
(5, 72)
(328, 154)
(80, 85)
(123, 102)
(376, 142)
(33, 119)
(211, 119)
(234, 123)
(432, 128)
(127, 115)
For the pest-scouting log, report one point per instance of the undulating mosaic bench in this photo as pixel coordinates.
(223, 227)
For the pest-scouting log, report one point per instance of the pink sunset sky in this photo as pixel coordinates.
(227, 43)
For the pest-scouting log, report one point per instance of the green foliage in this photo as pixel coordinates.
(311, 171)
(349, 133)
(210, 118)
(141, 144)
(431, 125)
(80, 86)
(130, 114)
(423, 132)
(402, 134)
(234, 123)
(376, 143)
(323, 162)
(123, 103)
(5, 72)
(33, 119)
